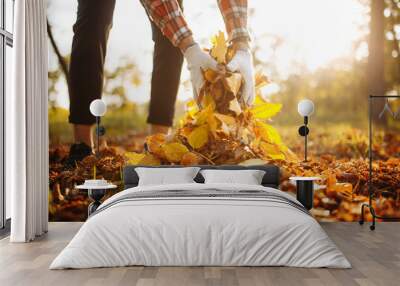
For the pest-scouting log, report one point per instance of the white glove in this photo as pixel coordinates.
(242, 62)
(198, 60)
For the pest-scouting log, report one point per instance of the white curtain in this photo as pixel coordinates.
(27, 124)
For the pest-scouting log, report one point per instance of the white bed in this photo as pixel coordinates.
(207, 230)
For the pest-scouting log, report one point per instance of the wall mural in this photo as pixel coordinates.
(152, 117)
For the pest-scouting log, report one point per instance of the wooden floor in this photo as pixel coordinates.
(375, 257)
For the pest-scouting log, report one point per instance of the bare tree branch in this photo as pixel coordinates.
(61, 60)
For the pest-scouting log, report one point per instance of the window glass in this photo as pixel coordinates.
(9, 15)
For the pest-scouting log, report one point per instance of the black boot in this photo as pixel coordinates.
(77, 152)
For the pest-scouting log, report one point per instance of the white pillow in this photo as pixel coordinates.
(166, 176)
(246, 177)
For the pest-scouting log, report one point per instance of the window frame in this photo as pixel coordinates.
(6, 39)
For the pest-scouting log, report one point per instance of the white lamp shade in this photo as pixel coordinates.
(305, 107)
(98, 107)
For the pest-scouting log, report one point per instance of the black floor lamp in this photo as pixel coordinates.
(305, 109)
(98, 108)
(371, 190)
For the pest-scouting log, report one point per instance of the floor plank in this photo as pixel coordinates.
(375, 257)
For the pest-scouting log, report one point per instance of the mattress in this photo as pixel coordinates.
(201, 225)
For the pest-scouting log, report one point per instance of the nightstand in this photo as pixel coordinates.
(305, 190)
(96, 193)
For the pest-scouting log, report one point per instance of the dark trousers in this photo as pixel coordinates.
(89, 47)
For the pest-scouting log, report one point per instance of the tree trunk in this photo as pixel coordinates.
(396, 43)
(376, 58)
(61, 60)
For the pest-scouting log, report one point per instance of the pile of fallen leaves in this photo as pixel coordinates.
(342, 189)
(219, 128)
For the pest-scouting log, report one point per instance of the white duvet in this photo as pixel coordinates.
(200, 231)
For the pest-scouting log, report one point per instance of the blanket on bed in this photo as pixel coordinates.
(205, 194)
(203, 225)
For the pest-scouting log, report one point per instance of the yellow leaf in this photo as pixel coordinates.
(154, 143)
(203, 115)
(174, 151)
(228, 120)
(212, 124)
(191, 108)
(191, 104)
(185, 131)
(235, 106)
(150, 160)
(271, 151)
(199, 137)
(266, 110)
(219, 47)
(211, 75)
(259, 100)
(267, 133)
(233, 83)
(134, 158)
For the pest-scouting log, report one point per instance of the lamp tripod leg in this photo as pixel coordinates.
(372, 210)
(361, 221)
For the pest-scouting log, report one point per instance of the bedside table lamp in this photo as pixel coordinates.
(305, 109)
(98, 108)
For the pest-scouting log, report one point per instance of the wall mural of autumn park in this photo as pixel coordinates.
(334, 52)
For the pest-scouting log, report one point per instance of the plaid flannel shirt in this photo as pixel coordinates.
(168, 16)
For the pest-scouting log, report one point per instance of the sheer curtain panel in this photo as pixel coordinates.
(27, 124)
